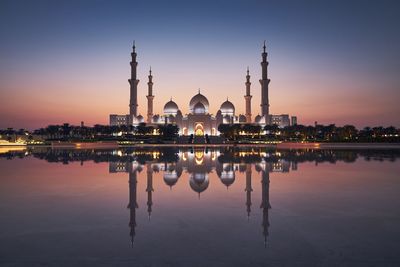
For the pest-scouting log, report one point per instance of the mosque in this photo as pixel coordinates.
(199, 121)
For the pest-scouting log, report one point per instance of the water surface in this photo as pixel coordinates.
(199, 207)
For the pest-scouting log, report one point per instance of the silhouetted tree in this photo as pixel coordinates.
(168, 131)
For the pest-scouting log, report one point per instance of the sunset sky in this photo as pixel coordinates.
(329, 61)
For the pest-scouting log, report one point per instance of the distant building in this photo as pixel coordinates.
(294, 120)
(117, 120)
(199, 121)
(280, 120)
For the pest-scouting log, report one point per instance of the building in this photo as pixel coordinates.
(280, 120)
(294, 120)
(119, 119)
(199, 120)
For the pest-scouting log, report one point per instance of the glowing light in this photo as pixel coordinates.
(198, 157)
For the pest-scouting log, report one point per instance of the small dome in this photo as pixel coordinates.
(226, 173)
(227, 108)
(242, 118)
(170, 177)
(199, 108)
(171, 108)
(156, 118)
(261, 119)
(196, 99)
(140, 118)
(258, 167)
(227, 177)
(156, 168)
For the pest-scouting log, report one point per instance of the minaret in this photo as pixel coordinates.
(133, 81)
(149, 189)
(150, 98)
(132, 206)
(265, 205)
(264, 87)
(248, 190)
(248, 97)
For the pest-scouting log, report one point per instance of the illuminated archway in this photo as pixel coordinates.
(199, 129)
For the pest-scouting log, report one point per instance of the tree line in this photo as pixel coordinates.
(230, 132)
(302, 133)
(67, 132)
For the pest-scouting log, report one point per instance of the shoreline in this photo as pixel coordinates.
(274, 145)
(285, 145)
(338, 145)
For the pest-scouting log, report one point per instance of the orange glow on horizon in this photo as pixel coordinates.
(53, 98)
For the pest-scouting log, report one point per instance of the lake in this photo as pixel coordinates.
(200, 207)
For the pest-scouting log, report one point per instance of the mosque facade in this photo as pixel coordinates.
(199, 121)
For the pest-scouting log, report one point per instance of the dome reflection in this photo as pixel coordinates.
(199, 182)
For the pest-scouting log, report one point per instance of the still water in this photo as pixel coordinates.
(200, 207)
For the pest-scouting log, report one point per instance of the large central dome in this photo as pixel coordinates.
(199, 98)
(199, 108)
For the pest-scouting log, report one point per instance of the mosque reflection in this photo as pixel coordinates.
(198, 163)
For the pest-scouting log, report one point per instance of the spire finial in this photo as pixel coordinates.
(170, 99)
(264, 46)
(199, 90)
(227, 98)
(247, 70)
(150, 70)
(133, 46)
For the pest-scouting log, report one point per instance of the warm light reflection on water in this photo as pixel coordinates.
(199, 207)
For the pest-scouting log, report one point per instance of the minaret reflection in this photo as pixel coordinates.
(248, 190)
(132, 206)
(149, 188)
(265, 205)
